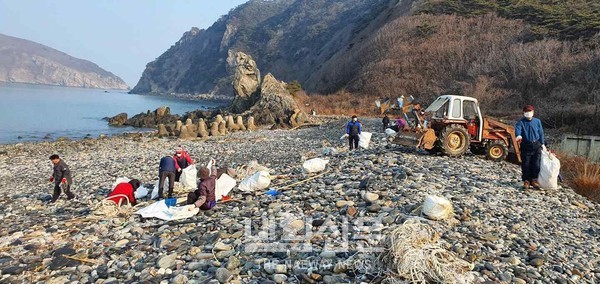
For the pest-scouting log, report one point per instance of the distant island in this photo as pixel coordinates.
(24, 61)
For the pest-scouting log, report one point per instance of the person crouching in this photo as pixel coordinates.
(204, 196)
(124, 193)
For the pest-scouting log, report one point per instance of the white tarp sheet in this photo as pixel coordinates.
(160, 210)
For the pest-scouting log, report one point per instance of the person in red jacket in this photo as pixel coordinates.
(204, 196)
(124, 189)
(182, 161)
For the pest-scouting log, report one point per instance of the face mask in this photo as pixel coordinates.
(178, 154)
(528, 114)
(354, 119)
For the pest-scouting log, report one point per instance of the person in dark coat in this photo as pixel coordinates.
(124, 193)
(60, 175)
(166, 169)
(386, 122)
(530, 134)
(204, 196)
(353, 130)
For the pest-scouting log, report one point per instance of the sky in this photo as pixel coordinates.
(121, 36)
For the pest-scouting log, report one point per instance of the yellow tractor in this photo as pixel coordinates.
(453, 125)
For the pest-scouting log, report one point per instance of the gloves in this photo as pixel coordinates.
(519, 139)
(51, 179)
(63, 181)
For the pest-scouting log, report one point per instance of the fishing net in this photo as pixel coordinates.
(414, 253)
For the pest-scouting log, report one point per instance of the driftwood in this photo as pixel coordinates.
(306, 125)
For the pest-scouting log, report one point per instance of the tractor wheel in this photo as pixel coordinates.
(477, 149)
(455, 140)
(496, 151)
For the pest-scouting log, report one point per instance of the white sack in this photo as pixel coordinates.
(188, 177)
(364, 139)
(259, 180)
(437, 208)
(549, 170)
(160, 210)
(141, 192)
(314, 165)
(344, 136)
(390, 132)
(223, 186)
(155, 190)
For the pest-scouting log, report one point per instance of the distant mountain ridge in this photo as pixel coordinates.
(24, 61)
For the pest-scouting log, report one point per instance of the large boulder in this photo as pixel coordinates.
(275, 104)
(162, 111)
(246, 80)
(214, 129)
(202, 132)
(240, 123)
(251, 125)
(118, 119)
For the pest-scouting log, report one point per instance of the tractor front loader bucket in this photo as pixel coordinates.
(424, 140)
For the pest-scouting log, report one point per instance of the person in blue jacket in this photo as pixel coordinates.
(530, 134)
(353, 130)
(166, 169)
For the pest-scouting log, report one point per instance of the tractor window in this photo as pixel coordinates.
(469, 110)
(456, 108)
(439, 107)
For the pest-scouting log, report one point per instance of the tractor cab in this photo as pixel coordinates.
(457, 109)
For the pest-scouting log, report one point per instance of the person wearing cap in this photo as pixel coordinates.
(386, 122)
(60, 175)
(124, 193)
(353, 130)
(166, 169)
(530, 134)
(204, 196)
(182, 161)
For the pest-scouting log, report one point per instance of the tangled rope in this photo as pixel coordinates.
(107, 207)
(413, 253)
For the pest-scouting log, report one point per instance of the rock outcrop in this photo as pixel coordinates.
(118, 119)
(162, 115)
(24, 61)
(246, 80)
(275, 105)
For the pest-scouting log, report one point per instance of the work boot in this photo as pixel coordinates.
(535, 184)
(526, 184)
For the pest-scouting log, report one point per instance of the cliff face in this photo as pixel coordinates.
(293, 39)
(24, 61)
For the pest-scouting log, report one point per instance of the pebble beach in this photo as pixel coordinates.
(338, 217)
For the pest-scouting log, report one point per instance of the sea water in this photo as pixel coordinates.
(36, 112)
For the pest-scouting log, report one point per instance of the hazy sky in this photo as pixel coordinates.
(120, 36)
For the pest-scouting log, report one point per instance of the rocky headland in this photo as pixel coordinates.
(504, 233)
(24, 61)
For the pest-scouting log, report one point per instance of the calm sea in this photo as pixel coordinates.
(32, 112)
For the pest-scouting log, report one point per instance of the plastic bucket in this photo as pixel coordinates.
(170, 202)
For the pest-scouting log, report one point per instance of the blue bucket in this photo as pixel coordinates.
(170, 202)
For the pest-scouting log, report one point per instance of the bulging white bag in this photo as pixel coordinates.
(390, 132)
(437, 208)
(314, 165)
(154, 194)
(257, 181)
(364, 139)
(549, 170)
(188, 176)
(141, 192)
(223, 186)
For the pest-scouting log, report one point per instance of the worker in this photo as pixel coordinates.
(124, 193)
(182, 161)
(530, 135)
(60, 175)
(353, 130)
(204, 196)
(166, 169)
(386, 122)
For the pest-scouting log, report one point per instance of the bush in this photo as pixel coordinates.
(582, 175)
